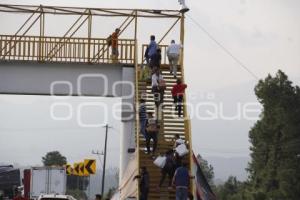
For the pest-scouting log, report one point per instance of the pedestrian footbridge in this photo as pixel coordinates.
(42, 64)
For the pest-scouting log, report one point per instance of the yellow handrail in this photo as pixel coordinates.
(75, 49)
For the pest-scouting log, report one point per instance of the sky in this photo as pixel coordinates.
(264, 35)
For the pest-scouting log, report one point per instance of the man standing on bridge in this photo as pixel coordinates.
(114, 44)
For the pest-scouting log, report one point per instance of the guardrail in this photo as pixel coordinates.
(60, 49)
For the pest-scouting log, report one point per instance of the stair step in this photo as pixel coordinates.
(171, 125)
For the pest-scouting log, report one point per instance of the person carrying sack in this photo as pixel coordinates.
(168, 169)
(152, 133)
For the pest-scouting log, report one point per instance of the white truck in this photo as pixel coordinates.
(47, 180)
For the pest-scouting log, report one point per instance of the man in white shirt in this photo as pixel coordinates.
(157, 90)
(173, 53)
(156, 78)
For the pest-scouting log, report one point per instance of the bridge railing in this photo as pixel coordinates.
(60, 49)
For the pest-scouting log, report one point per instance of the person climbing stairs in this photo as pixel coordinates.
(170, 126)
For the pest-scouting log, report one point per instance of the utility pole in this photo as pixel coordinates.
(99, 154)
(104, 159)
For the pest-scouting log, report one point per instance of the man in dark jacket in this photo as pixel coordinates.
(144, 183)
(143, 117)
(181, 181)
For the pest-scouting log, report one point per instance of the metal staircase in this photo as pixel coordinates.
(170, 125)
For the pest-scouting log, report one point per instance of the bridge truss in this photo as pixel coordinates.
(69, 48)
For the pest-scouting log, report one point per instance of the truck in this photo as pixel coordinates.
(10, 180)
(44, 180)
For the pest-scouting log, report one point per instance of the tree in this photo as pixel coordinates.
(228, 189)
(275, 138)
(54, 158)
(207, 170)
(232, 189)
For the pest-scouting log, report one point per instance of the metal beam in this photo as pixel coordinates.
(16, 41)
(168, 31)
(17, 32)
(42, 34)
(89, 36)
(109, 12)
(65, 37)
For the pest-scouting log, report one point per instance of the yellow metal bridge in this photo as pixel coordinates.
(20, 46)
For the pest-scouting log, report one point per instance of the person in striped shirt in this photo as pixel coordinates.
(143, 117)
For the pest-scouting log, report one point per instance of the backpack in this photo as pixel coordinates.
(152, 128)
(162, 84)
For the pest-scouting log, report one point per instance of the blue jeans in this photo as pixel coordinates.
(143, 124)
(181, 193)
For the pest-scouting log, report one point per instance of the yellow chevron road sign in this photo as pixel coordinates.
(89, 166)
(76, 169)
(81, 169)
(69, 169)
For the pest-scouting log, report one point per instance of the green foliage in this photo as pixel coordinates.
(77, 194)
(275, 138)
(274, 171)
(54, 158)
(232, 189)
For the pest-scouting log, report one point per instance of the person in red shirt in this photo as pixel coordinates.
(177, 93)
(114, 44)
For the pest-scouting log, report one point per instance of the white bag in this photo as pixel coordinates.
(179, 141)
(182, 150)
(160, 161)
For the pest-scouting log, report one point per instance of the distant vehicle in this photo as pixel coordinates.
(44, 180)
(55, 197)
(10, 180)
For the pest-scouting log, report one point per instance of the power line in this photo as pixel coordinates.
(222, 47)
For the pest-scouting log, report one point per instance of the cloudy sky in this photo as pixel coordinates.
(262, 34)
